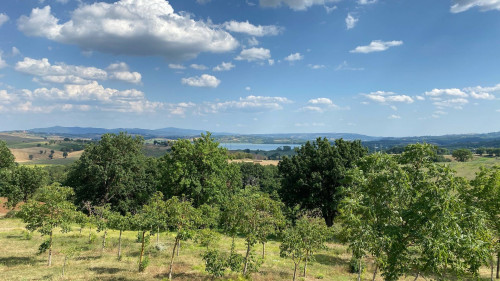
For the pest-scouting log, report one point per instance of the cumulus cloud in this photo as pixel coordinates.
(350, 21)
(253, 30)
(198, 66)
(446, 92)
(319, 105)
(254, 54)
(15, 51)
(459, 6)
(316, 66)
(367, 2)
(388, 97)
(3, 18)
(131, 27)
(72, 74)
(394, 116)
(80, 97)
(456, 103)
(204, 80)
(294, 57)
(2, 62)
(249, 103)
(345, 66)
(483, 92)
(376, 46)
(176, 66)
(296, 5)
(224, 66)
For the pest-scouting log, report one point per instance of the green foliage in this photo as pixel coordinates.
(408, 213)
(215, 263)
(144, 264)
(22, 183)
(6, 157)
(266, 177)
(313, 177)
(199, 170)
(462, 155)
(210, 216)
(356, 265)
(115, 171)
(43, 247)
(48, 209)
(207, 237)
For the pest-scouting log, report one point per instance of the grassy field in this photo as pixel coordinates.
(470, 168)
(19, 259)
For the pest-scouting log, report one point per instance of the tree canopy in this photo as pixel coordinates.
(311, 179)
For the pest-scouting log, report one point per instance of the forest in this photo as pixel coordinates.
(399, 216)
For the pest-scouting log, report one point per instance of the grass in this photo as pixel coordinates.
(470, 168)
(19, 260)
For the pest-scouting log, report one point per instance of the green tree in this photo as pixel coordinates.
(408, 212)
(7, 159)
(22, 183)
(114, 171)
(49, 209)
(312, 178)
(266, 177)
(253, 215)
(462, 155)
(121, 223)
(302, 240)
(485, 194)
(199, 170)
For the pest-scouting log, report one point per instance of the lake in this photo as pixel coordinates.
(256, 146)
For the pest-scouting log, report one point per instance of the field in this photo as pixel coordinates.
(19, 259)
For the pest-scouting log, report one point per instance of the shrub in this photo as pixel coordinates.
(215, 263)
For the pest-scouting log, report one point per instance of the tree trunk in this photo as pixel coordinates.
(81, 228)
(50, 250)
(492, 267)
(64, 265)
(416, 277)
(90, 234)
(359, 269)
(263, 250)
(172, 259)
(103, 242)
(246, 259)
(305, 263)
(178, 247)
(375, 272)
(295, 272)
(328, 219)
(142, 250)
(157, 236)
(498, 265)
(120, 246)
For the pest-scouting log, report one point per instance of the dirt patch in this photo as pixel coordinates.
(22, 155)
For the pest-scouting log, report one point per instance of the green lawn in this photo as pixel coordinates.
(470, 168)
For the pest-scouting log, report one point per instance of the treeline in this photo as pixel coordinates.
(405, 213)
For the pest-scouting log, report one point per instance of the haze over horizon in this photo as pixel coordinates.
(373, 67)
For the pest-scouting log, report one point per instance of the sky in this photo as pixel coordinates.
(374, 67)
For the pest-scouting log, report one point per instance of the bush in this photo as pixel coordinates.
(235, 262)
(354, 265)
(215, 263)
(144, 264)
(43, 247)
(207, 237)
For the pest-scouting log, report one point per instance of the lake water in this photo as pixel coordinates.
(255, 146)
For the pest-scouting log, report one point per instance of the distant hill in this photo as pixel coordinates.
(96, 132)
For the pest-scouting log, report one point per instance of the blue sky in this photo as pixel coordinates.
(375, 67)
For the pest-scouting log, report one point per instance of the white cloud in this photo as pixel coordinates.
(456, 103)
(176, 66)
(131, 27)
(329, 10)
(482, 96)
(203, 2)
(459, 6)
(224, 66)
(3, 18)
(367, 2)
(394, 116)
(253, 30)
(388, 97)
(350, 21)
(313, 124)
(248, 88)
(446, 92)
(198, 66)
(253, 41)
(376, 46)
(420, 98)
(316, 66)
(270, 61)
(319, 105)
(294, 57)
(296, 5)
(249, 103)
(15, 51)
(180, 108)
(204, 80)
(254, 54)
(80, 97)
(63, 73)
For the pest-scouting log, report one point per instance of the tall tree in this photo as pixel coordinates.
(115, 171)
(49, 209)
(462, 155)
(6, 157)
(312, 178)
(199, 170)
(409, 213)
(22, 183)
